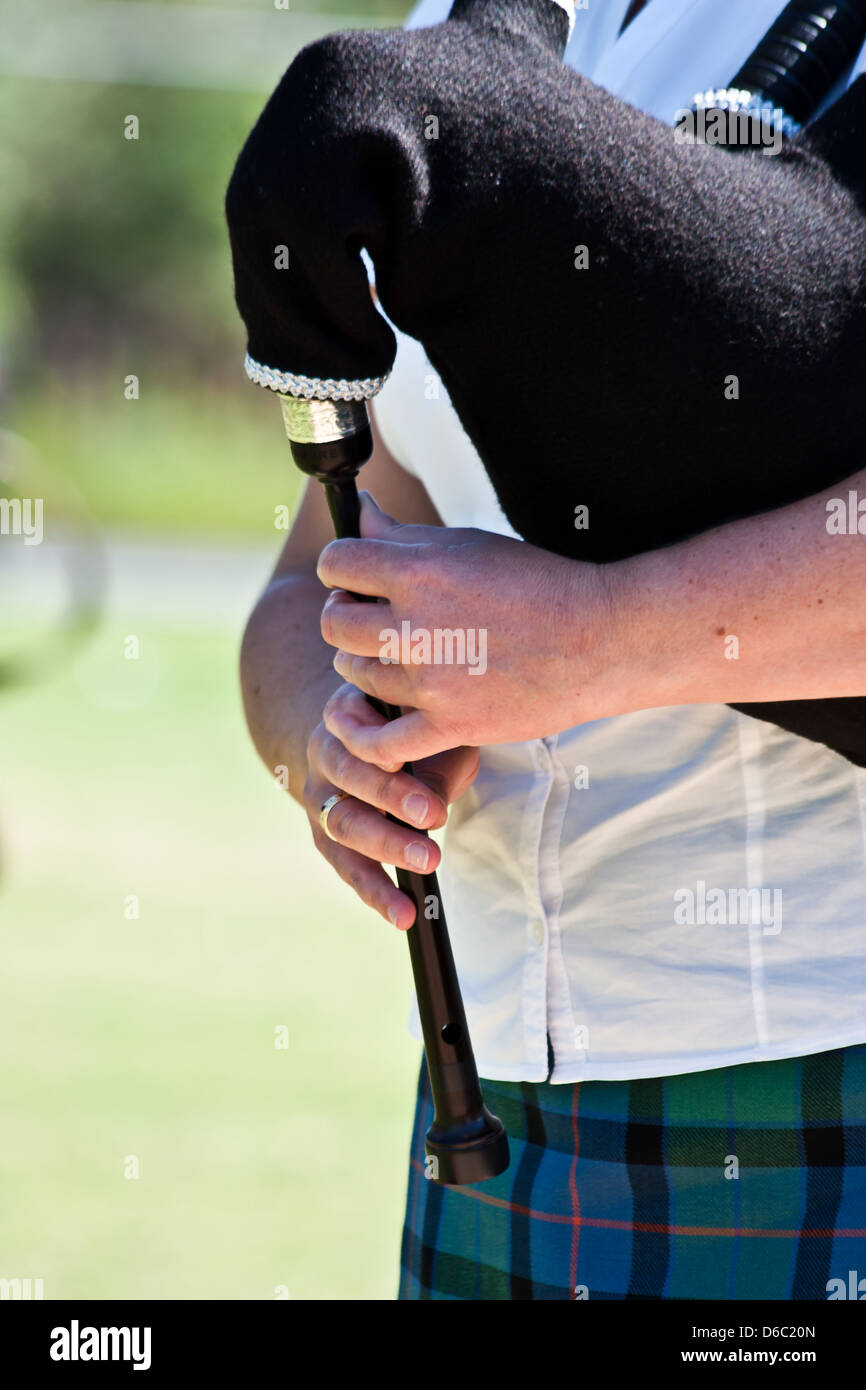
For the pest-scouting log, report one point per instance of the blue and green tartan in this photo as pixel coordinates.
(626, 1189)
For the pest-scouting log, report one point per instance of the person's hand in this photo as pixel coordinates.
(494, 640)
(363, 838)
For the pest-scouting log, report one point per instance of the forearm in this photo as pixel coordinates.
(770, 608)
(287, 675)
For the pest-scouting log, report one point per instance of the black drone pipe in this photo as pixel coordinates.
(804, 54)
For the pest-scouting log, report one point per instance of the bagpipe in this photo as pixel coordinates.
(662, 333)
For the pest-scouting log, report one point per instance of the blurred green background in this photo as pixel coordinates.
(162, 910)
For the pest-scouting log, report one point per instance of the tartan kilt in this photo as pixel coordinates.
(745, 1182)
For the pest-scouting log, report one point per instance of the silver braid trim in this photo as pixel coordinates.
(314, 388)
(736, 99)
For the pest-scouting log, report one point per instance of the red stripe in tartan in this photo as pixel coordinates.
(654, 1228)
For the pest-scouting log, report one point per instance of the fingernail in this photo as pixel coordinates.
(392, 916)
(416, 807)
(417, 856)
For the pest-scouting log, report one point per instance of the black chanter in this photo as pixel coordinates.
(330, 440)
(585, 286)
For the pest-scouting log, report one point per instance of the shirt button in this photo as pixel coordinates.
(537, 928)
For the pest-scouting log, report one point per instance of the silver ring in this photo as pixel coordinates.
(327, 808)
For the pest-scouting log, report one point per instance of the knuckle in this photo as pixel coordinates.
(343, 821)
(356, 879)
(341, 763)
(386, 790)
(447, 725)
(380, 754)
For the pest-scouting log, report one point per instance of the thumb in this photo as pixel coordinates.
(376, 525)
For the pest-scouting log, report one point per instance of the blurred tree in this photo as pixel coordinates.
(114, 246)
(114, 257)
(111, 244)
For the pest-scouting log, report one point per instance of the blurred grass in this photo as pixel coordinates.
(155, 1037)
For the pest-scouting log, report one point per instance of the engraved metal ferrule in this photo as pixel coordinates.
(322, 422)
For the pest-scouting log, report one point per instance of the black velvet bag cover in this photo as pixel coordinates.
(472, 164)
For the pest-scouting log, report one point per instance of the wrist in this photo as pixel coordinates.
(645, 643)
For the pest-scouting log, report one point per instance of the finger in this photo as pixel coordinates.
(366, 567)
(404, 796)
(353, 703)
(396, 742)
(360, 628)
(359, 827)
(348, 710)
(381, 679)
(449, 774)
(369, 881)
